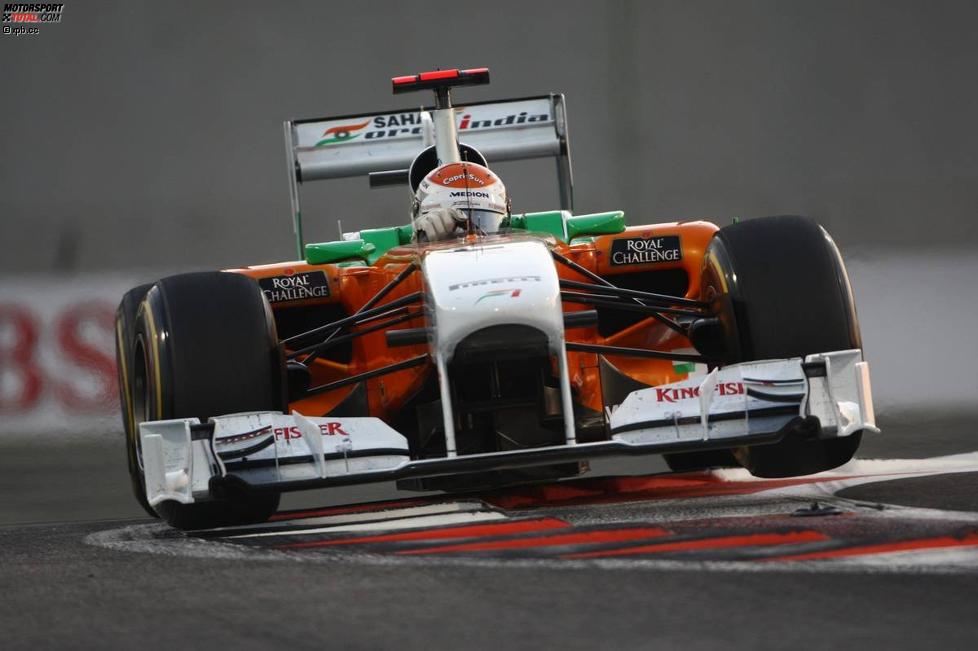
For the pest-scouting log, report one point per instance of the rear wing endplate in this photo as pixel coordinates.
(355, 145)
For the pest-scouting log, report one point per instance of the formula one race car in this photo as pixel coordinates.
(487, 359)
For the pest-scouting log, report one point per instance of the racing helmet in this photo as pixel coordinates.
(471, 189)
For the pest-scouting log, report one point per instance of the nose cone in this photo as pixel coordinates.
(477, 287)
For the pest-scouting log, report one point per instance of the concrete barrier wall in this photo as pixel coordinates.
(149, 134)
(57, 355)
(918, 311)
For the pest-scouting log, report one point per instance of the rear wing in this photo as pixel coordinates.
(387, 142)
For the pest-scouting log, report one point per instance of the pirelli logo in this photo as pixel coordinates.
(493, 281)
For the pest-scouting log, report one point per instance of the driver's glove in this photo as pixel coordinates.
(438, 224)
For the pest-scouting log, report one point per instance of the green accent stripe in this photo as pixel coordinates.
(327, 252)
(375, 242)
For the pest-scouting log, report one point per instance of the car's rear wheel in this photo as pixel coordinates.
(204, 344)
(781, 290)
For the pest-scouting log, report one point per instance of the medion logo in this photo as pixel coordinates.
(468, 193)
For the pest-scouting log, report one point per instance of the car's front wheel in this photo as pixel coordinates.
(204, 344)
(781, 290)
(125, 324)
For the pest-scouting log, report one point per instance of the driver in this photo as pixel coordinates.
(456, 195)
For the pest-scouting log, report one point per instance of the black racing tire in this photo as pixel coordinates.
(125, 322)
(204, 345)
(781, 290)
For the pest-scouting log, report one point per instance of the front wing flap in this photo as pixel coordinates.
(743, 404)
(751, 398)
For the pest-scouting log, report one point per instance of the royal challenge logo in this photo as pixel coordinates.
(303, 286)
(646, 250)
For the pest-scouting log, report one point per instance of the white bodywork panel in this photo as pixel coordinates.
(505, 130)
(730, 402)
(478, 286)
(843, 396)
(178, 467)
(168, 460)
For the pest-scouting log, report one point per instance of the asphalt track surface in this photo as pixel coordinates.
(701, 560)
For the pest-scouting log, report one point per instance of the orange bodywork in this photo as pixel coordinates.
(352, 286)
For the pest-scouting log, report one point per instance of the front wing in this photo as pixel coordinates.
(826, 395)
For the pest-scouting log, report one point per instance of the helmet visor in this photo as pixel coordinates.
(487, 221)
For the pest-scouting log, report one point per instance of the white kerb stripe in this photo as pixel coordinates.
(422, 522)
(364, 516)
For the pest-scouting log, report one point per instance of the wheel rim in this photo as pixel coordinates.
(140, 395)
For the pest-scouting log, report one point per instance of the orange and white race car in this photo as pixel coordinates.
(489, 357)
